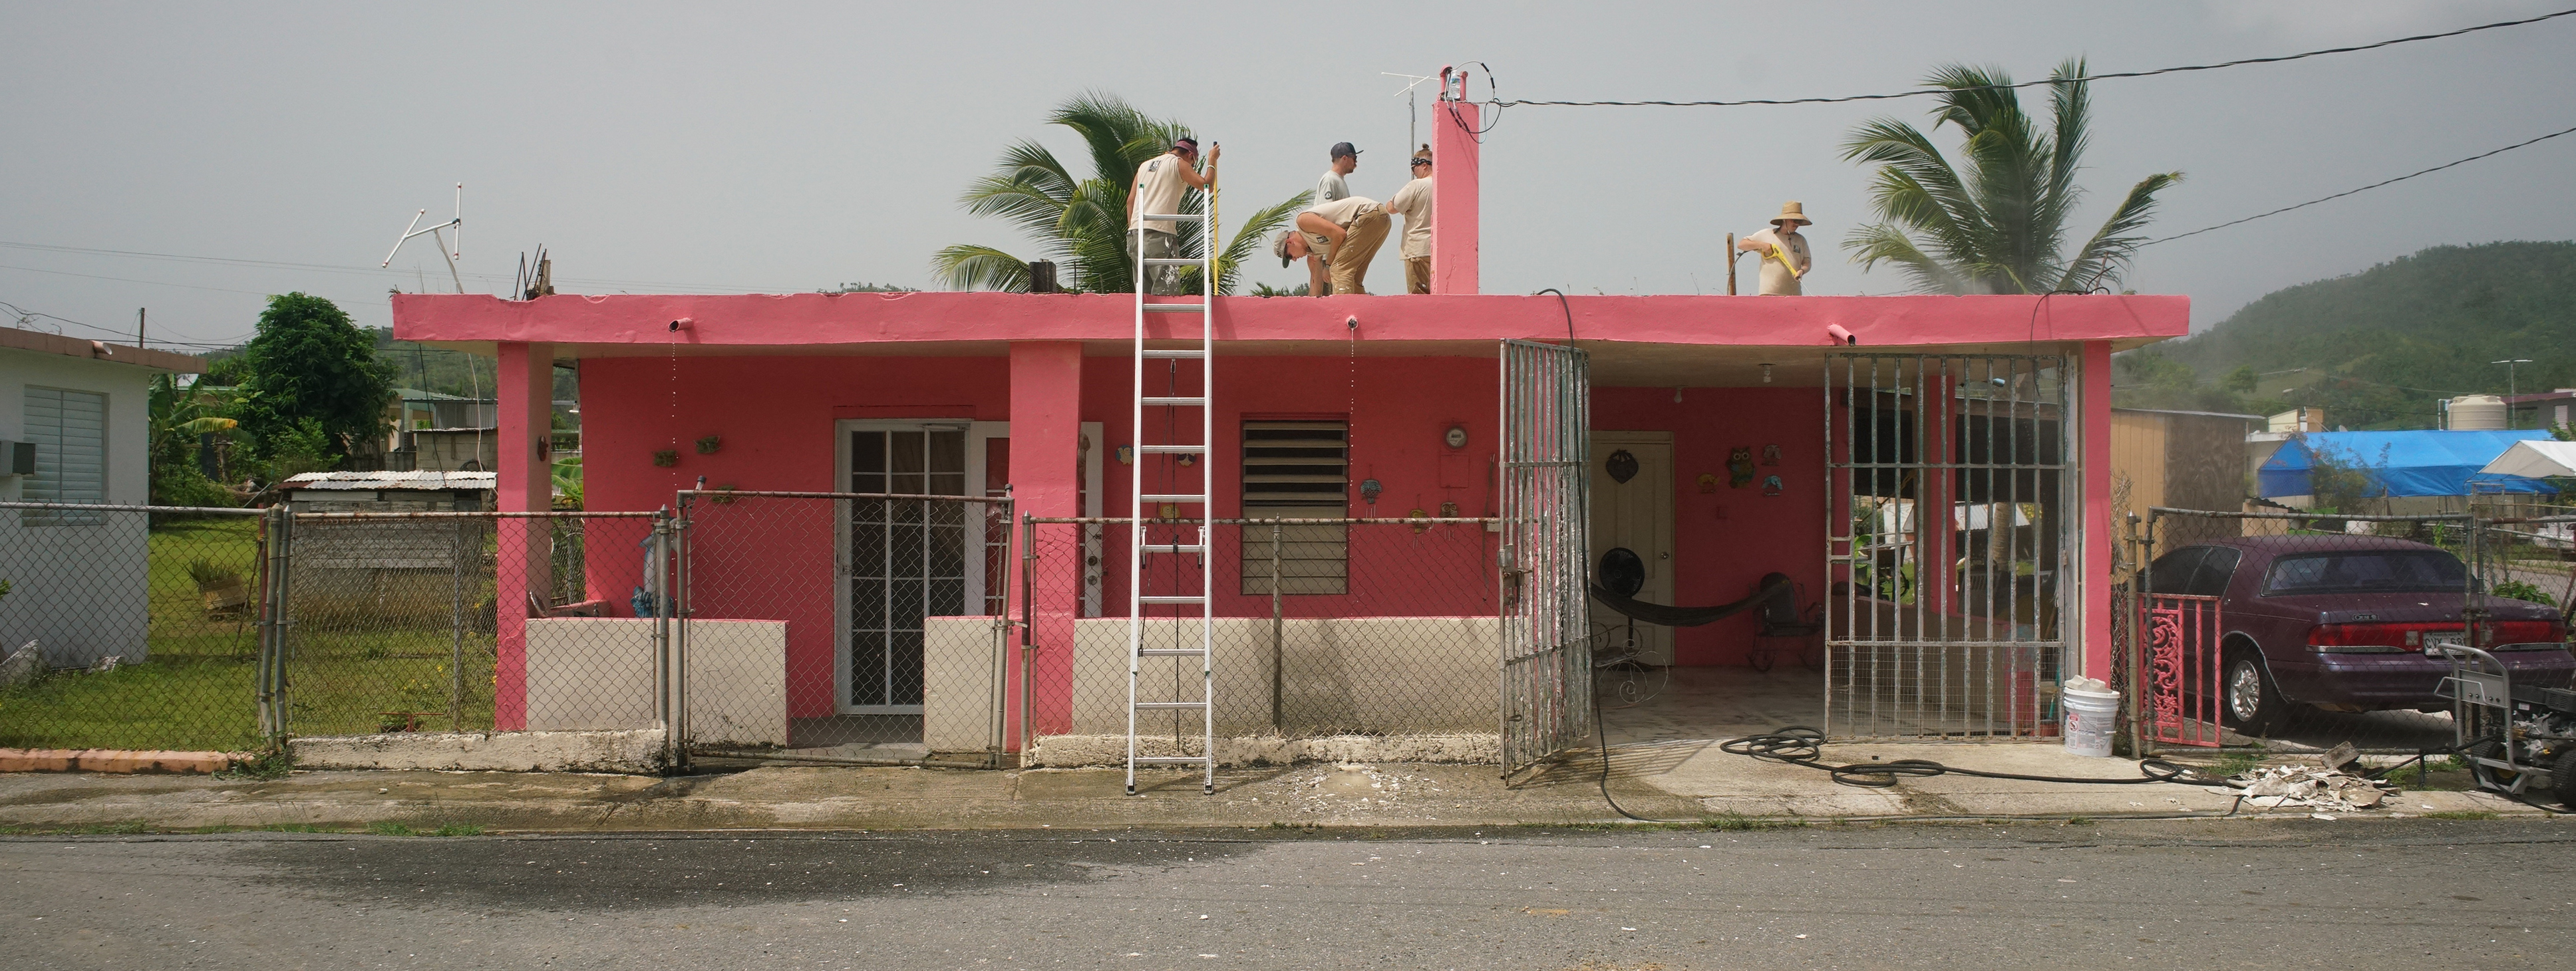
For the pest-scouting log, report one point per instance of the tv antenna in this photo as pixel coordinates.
(449, 249)
(1412, 110)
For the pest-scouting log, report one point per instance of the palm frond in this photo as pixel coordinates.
(1880, 243)
(971, 267)
(2111, 248)
(1252, 238)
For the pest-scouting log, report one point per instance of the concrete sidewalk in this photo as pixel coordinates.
(1677, 781)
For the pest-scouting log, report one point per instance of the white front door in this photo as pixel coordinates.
(903, 560)
(1632, 507)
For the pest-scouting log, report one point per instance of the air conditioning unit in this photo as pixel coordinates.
(17, 458)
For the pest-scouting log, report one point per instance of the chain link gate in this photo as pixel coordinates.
(843, 628)
(1547, 703)
(1952, 557)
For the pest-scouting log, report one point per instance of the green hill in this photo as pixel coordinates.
(2376, 349)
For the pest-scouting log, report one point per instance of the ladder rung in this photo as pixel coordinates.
(1172, 261)
(1176, 402)
(1172, 449)
(1168, 705)
(1156, 599)
(1183, 500)
(1182, 216)
(1174, 308)
(1169, 652)
(1173, 548)
(1168, 759)
(1183, 355)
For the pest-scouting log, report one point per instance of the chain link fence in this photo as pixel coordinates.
(2300, 631)
(846, 627)
(471, 622)
(133, 627)
(1346, 638)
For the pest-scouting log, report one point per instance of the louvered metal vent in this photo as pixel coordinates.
(1297, 470)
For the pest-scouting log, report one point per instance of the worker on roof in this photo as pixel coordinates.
(1333, 187)
(1343, 234)
(1783, 252)
(1160, 184)
(1413, 202)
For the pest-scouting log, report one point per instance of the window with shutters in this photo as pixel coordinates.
(1296, 470)
(69, 430)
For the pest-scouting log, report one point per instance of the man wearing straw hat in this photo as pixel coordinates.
(1782, 251)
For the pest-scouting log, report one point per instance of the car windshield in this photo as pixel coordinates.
(2430, 571)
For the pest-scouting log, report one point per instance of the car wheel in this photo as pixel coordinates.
(2563, 778)
(2248, 701)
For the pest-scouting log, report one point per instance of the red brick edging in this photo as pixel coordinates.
(110, 760)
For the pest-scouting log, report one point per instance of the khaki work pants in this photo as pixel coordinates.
(1417, 274)
(1143, 244)
(1360, 241)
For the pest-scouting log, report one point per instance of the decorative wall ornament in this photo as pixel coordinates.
(1739, 467)
(666, 458)
(1770, 455)
(709, 444)
(1622, 466)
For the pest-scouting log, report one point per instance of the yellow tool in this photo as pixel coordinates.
(1777, 254)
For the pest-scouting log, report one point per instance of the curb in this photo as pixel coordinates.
(111, 760)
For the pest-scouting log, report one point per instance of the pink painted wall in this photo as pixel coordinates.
(1457, 166)
(768, 559)
(525, 375)
(1723, 542)
(637, 324)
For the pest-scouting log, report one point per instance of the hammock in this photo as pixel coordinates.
(1774, 586)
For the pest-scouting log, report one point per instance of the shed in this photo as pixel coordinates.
(2399, 464)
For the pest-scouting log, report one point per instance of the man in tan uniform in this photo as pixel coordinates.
(1413, 202)
(1782, 252)
(1160, 184)
(1345, 232)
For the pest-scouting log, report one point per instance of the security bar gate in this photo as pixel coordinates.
(1949, 554)
(1546, 620)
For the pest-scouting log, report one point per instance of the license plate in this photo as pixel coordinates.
(2445, 640)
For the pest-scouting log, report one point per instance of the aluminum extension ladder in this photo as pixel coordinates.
(1175, 508)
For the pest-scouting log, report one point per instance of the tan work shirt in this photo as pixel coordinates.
(1341, 211)
(1776, 279)
(1158, 189)
(1413, 202)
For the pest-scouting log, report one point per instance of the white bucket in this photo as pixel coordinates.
(2089, 717)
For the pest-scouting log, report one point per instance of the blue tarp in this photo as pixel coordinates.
(2418, 463)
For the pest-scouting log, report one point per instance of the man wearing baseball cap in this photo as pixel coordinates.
(1160, 184)
(1345, 160)
(1343, 234)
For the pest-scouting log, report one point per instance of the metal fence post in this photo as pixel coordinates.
(1028, 619)
(1277, 663)
(671, 533)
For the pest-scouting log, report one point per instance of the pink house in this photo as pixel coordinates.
(1938, 483)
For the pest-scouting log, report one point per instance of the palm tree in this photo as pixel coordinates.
(1081, 224)
(1993, 223)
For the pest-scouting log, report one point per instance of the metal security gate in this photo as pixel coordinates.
(1546, 619)
(1950, 556)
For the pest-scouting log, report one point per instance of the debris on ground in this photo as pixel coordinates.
(2310, 787)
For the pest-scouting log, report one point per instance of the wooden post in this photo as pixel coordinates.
(1730, 264)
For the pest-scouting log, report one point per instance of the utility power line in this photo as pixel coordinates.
(1924, 92)
(2366, 188)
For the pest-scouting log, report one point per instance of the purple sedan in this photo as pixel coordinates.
(2339, 622)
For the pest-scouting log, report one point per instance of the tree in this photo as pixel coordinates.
(1994, 222)
(1081, 224)
(311, 387)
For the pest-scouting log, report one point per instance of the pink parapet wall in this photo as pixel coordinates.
(983, 323)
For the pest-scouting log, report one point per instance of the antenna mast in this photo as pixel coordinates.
(448, 249)
(1412, 110)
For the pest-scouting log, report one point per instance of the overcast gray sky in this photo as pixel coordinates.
(780, 147)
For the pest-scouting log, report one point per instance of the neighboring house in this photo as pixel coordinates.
(84, 408)
(2180, 460)
(1731, 437)
(434, 432)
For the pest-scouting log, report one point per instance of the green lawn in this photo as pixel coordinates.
(196, 690)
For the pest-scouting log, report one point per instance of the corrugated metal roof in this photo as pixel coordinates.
(423, 480)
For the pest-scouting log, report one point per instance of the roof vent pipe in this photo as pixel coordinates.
(1840, 334)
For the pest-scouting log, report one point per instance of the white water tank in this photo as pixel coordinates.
(2477, 413)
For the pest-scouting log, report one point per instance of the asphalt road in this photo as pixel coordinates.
(2345, 895)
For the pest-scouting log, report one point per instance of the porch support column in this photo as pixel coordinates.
(1046, 462)
(2095, 536)
(526, 481)
(1456, 170)
(1936, 517)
